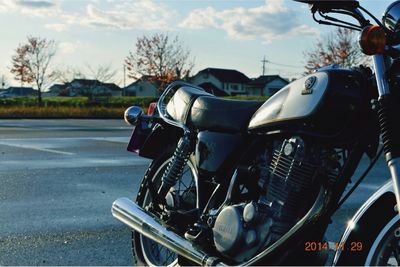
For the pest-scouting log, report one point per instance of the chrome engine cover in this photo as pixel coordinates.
(240, 233)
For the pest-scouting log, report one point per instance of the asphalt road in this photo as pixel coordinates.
(58, 179)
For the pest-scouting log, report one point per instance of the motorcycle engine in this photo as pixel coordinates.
(286, 177)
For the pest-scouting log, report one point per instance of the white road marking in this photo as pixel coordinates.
(37, 148)
(333, 245)
(46, 144)
(113, 139)
(116, 139)
(73, 163)
(369, 186)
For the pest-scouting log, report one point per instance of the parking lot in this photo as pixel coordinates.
(57, 182)
(58, 179)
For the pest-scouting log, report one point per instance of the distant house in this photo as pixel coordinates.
(18, 91)
(85, 87)
(55, 90)
(145, 86)
(265, 85)
(212, 89)
(232, 82)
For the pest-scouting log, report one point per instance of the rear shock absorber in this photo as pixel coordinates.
(175, 167)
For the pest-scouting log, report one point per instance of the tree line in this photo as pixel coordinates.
(160, 57)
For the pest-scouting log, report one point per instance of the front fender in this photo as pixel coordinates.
(384, 197)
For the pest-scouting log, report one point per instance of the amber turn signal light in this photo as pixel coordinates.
(372, 40)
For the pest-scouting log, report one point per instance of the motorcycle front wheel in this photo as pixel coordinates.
(375, 241)
(145, 251)
(385, 250)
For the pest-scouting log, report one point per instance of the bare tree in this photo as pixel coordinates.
(67, 75)
(102, 73)
(339, 47)
(161, 57)
(31, 62)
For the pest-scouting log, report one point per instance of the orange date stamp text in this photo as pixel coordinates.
(319, 246)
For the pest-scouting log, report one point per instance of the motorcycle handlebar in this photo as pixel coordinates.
(344, 7)
(332, 3)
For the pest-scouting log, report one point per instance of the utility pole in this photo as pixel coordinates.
(264, 61)
(3, 82)
(124, 93)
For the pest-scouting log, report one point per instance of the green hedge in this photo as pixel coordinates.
(78, 107)
(127, 101)
(59, 101)
(114, 101)
(61, 112)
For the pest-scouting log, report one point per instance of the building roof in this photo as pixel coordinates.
(227, 75)
(212, 89)
(87, 82)
(146, 78)
(265, 79)
(20, 90)
(112, 86)
(57, 87)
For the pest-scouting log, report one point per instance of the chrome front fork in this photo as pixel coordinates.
(387, 125)
(394, 168)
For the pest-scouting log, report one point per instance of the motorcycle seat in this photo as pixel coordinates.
(222, 115)
(204, 111)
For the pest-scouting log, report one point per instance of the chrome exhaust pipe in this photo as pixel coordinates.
(152, 227)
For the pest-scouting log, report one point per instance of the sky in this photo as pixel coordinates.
(232, 34)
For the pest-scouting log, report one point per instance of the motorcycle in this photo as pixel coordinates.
(248, 183)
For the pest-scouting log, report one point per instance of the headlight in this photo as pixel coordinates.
(391, 17)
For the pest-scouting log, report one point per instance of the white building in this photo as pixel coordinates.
(85, 87)
(265, 85)
(145, 86)
(232, 82)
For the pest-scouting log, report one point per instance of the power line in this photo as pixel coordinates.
(285, 65)
(264, 61)
(286, 73)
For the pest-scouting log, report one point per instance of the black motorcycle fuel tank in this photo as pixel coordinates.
(332, 104)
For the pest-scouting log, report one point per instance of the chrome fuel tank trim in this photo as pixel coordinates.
(298, 99)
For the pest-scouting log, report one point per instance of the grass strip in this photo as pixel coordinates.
(61, 112)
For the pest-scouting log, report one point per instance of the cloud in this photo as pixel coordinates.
(202, 18)
(69, 47)
(59, 27)
(142, 14)
(7, 6)
(271, 21)
(31, 7)
(121, 14)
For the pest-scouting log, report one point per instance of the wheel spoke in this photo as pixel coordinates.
(170, 257)
(181, 182)
(185, 171)
(154, 253)
(396, 253)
